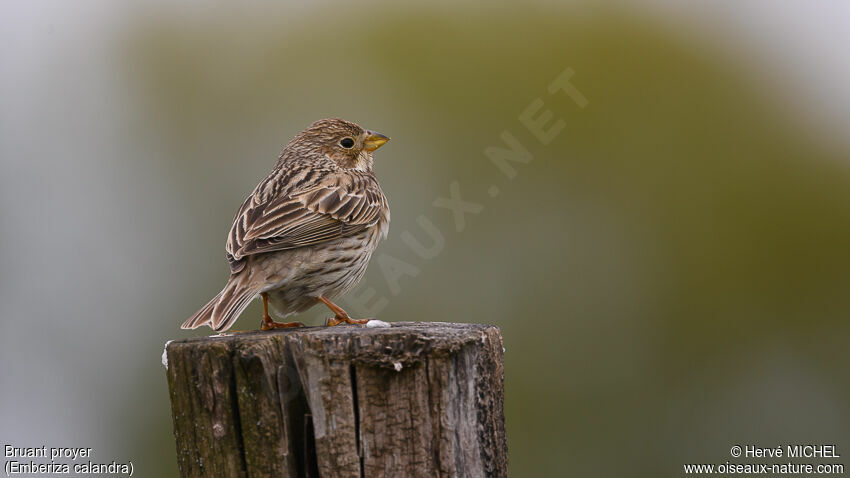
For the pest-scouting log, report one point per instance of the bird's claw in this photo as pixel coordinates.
(271, 325)
(333, 321)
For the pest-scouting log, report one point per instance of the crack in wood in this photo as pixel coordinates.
(237, 424)
(356, 406)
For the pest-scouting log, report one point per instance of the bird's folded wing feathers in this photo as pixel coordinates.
(336, 207)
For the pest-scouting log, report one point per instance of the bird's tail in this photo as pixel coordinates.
(222, 311)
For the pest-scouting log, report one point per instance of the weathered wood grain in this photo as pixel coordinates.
(415, 399)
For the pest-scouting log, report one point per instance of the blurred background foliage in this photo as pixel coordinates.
(670, 274)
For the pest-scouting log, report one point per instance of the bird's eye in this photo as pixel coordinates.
(346, 143)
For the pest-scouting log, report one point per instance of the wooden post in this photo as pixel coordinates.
(411, 400)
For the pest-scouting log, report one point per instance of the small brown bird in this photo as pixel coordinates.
(306, 233)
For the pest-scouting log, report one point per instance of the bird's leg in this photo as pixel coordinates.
(341, 315)
(268, 323)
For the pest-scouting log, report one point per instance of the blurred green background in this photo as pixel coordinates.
(670, 273)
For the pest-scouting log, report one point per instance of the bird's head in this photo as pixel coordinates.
(343, 142)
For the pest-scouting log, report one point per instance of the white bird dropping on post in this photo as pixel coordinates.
(165, 354)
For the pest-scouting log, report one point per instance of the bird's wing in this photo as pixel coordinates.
(338, 205)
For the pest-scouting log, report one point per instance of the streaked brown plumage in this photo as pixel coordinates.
(308, 230)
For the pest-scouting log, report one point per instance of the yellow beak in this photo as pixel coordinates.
(374, 140)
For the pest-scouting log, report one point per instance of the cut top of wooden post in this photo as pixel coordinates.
(413, 399)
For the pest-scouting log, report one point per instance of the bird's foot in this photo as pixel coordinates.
(268, 323)
(344, 319)
(271, 324)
